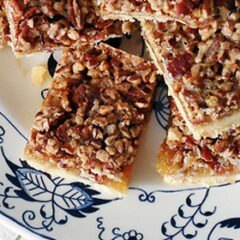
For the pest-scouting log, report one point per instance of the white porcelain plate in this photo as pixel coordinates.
(38, 205)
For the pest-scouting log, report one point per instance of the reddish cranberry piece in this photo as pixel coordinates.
(161, 26)
(180, 65)
(62, 133)
(184, 7)
(207, 154)
(221, 146)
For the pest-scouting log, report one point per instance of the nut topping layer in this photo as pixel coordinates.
(202, 66)
(47, 24)
(194, 13)
(92, 117)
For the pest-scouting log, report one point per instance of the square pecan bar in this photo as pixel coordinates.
(208, 161)
(4, 28)
(202, 70)
(89, 125)
(46, 25)
(194, 13)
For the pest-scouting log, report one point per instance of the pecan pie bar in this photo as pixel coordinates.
(194, 13)
(4, 28)
(49, 24)
(202, 70)
(183, 159)
(90, 122)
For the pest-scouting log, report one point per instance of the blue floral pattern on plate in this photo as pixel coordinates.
(117, 234)
(75, 199)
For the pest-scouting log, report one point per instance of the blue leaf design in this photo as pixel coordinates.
(164, 229)
(21, 194)
(223, 238)
(181, 213)
(70, 197)
(13, 180)
(208, 213)
(2, 133)
(36, 184)
(10, 164)
(231, 223)
(62, 221)
(190, 236)
(173, 221)
(98, 201)
(6, 205)
(89, 210)
(200, 225)
(189, 201)
(42, 212)
(85, 188)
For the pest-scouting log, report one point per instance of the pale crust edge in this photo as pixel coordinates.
(110, 187)
(118, 15)
(11, 26)
(127, 16)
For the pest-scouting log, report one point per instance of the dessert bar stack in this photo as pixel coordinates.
(184, 159)
(201, 67)
(196, 46)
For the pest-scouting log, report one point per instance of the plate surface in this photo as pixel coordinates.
(38, 205)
